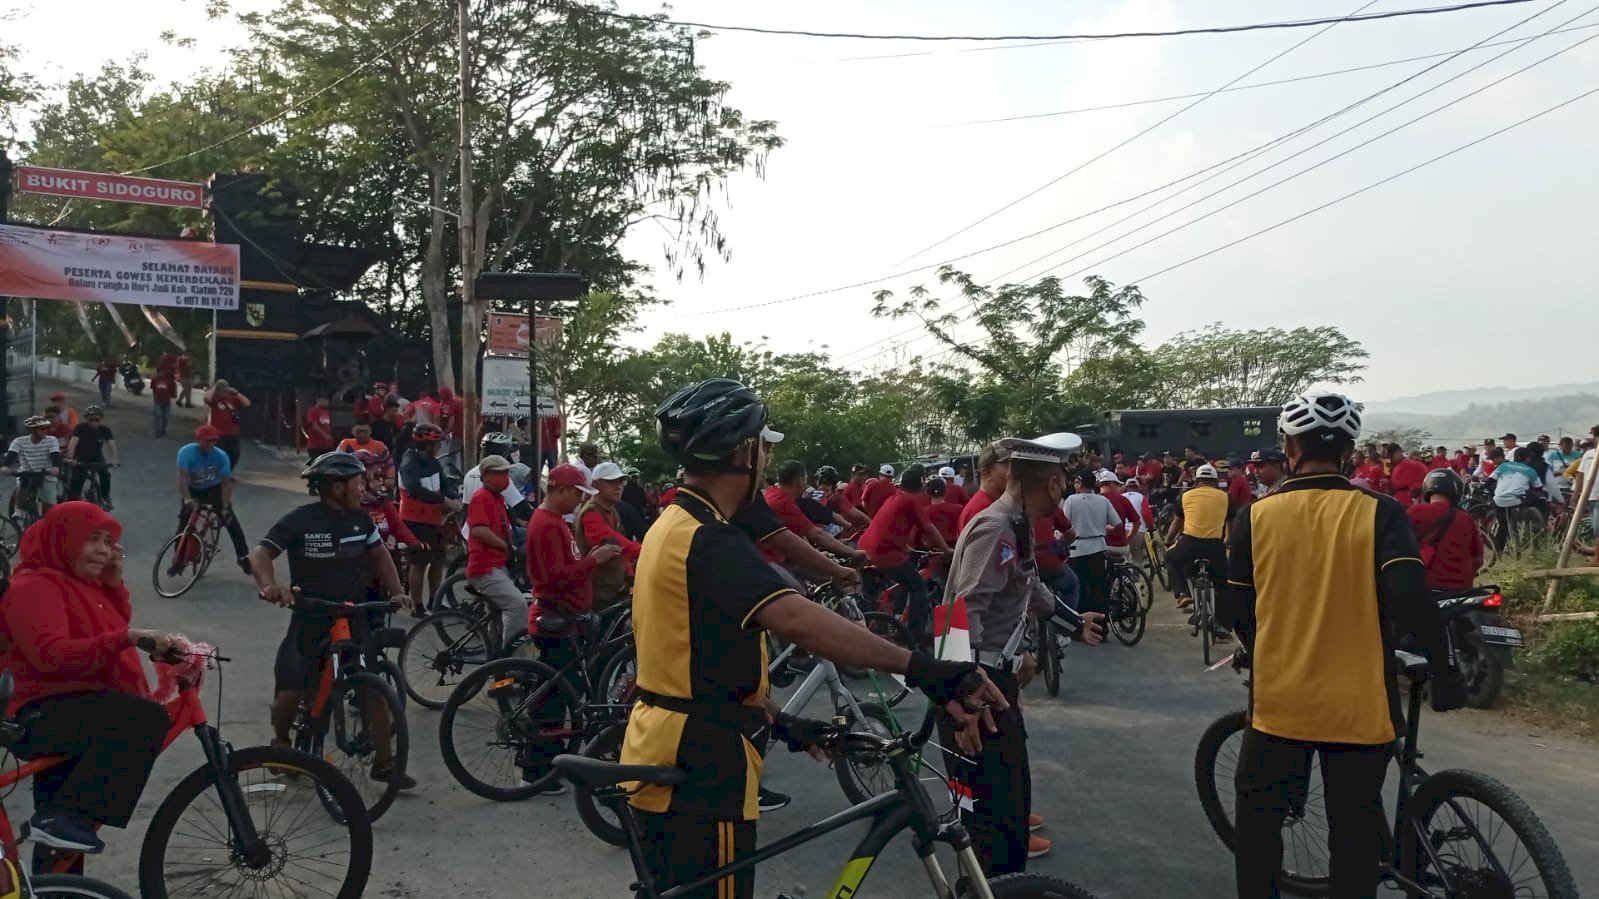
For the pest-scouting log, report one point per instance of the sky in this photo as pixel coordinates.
(880, 174)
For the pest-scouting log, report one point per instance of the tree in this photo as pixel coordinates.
(17, 89)
(1411, 439)
(1220, 367)
(1033, 334)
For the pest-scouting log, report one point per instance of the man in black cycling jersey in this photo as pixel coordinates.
(1323, 573)
(334, 551)
(702, 597)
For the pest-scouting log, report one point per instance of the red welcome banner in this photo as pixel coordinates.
(111, 188)
(64, 265)
(509, 334)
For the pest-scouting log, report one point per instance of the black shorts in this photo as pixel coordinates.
(432, 537)
(299, 661)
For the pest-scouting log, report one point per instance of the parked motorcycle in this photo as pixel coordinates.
(1482, 639)
(131, 379)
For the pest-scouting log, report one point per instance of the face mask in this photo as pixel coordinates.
(496, 481)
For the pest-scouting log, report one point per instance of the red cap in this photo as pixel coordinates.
(206, 432)
(570, 475)
(58, 395)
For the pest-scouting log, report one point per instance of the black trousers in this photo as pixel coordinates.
(212, 496)
(908, 576)
(680, 847)
(535, 760)
(1189, 550)
(229, 443)
(1093, 583)
(1272, 771)
(80, 474)
(996, 786)
(112, 739)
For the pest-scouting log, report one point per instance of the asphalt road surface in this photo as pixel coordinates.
(1112, 756)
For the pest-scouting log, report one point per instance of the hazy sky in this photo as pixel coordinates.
(1491, 250)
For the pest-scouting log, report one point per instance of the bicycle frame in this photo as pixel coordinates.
(205, 524)
(188, 714)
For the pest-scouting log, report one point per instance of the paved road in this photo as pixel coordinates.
(1113, 755)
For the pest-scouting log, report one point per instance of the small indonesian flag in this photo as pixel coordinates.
(950, 634)
(963, 795)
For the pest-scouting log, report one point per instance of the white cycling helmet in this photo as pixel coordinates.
(1205, 471)
(1321, 411)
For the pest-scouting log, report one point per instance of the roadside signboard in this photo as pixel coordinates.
(66, 265)
(506, 389)
(110, 188)
(509, 333)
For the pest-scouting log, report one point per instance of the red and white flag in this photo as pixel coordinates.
(950, 633)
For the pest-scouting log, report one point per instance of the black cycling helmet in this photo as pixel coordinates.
(827, 474)
(912, 477)
(497, 443)
(936, 486)
(707, 422)
(330, 468)
(1445, 481)
(93, 411)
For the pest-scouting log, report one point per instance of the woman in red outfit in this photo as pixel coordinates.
(80, 688)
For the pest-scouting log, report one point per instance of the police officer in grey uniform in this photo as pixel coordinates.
(994, 570)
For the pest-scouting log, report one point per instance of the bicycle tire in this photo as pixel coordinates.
(451, 594)
(431, 672)
(1218, 812)
(192, 568)
(1205, 619)
(1035, 886)
(467, 692)
(874, 719)
(282, 768)
(1147, 596)
(347, 722)
(598, 819)
(10, 536)
(72, 886)
(1049, 657)
(1131, 619)
(1448, 787)
(892, 629)
(1156, 561)
(618, 683)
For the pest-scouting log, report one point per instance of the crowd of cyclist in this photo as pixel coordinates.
(1320, 557)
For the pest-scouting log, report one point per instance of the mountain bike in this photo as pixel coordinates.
(1155, 560)
(1129, 600)
(907, 807)
(262, 820)
(1444, 832)
(26, 507)
(355, 699)
(505, 720)
(188, 554)
(1203, 617)
(91, 482)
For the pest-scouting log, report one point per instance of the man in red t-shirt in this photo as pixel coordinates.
(993, 472)
(878, 490)
(425, 411)
(488, 547)
(1240, 492)
(1451, 546)
(854, 489)
(1369, 468)
(1440, 459)
(185, 367)
(955, 492)
(1407, 475)
(1052, 533)
(942, 511)
(836, 500)
(161, 396)
(105, 375)
(888, 541)
(226, 403)
(319, 428)
(1117, 540)
(783, 499)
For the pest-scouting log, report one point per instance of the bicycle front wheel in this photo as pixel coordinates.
(1127, 612)
(1207, 619)
(363, 705)
(1049, 657)
(10, 536)
(1035, 886)
(1483, 841)
(862, 775)
(313, 850)
(438, 653)
(178, 565)
(72, 886)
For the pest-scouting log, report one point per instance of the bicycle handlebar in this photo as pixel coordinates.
(305, 603)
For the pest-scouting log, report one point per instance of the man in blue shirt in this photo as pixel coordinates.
(205, 476)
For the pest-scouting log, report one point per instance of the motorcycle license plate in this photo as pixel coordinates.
(1503, 636)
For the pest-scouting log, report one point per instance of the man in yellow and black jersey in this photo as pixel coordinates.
(1202, 521)
(702, 597)
(1324, 574)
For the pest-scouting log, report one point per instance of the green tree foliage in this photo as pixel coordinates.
(1411, 439)
(1220, 367)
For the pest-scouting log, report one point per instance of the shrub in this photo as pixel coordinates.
(1570, 648)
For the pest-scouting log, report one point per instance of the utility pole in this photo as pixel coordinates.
(471, 316)
(5, 307)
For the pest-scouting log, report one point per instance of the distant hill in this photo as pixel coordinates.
(1572, 413)
(1448, 402)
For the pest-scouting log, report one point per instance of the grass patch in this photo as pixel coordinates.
(1550, 701)
(1555, 684)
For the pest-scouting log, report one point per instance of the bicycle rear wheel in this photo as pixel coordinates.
(178, 565)
(354, 702)
(314, 850)
(1049, 657)
(452, 594)
(438, 653)
(72, 886)
(499, 745)
(1127, 612)
(892, 629)
(1035, 886)
(1484, 841)
(601, 821)
(10, 536)
(1207, 618)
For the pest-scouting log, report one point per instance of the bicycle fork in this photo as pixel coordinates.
(247, 842)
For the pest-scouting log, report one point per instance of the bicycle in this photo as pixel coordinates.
(353, 697)
(1129, 606)
(26, 506)
(1203, 618)
(1423, 851)
(91, 482)
(189, 553)
(242, 812)
(513, 713)
(907, 807)
(1155, 561)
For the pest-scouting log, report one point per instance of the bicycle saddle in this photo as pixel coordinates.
(593, 773)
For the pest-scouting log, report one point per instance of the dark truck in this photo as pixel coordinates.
(1217, 433)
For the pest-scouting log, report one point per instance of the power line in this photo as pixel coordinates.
(1221, 29)
(294, 107)
(1361, 102)
(1400, 127)
(1372, 186)
(1245, 87)
(1077, 168)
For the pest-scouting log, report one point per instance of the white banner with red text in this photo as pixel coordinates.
(65, 265)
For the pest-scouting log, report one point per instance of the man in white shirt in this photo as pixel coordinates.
(1092, 516)
(588, 458)
(497, 444)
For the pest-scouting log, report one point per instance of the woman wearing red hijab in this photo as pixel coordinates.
(80, 688)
